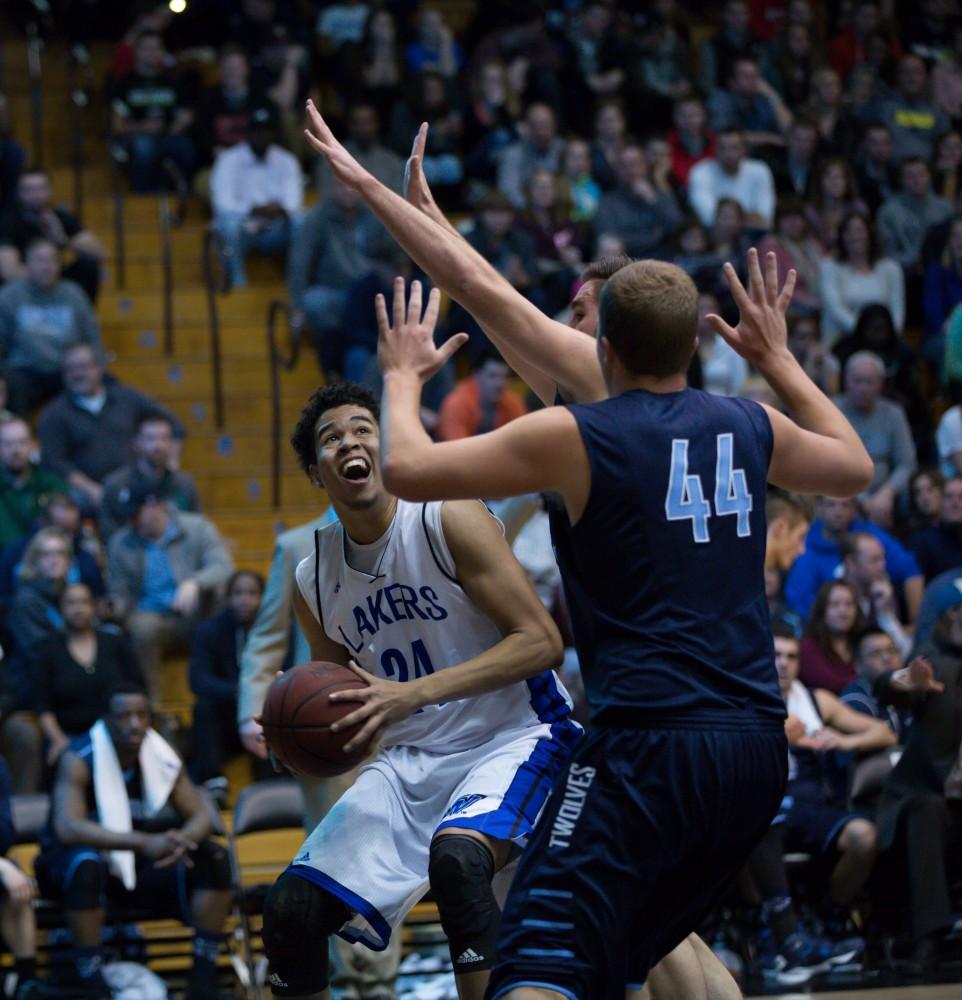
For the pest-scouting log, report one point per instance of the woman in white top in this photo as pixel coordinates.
(723, 370)
(856, 277)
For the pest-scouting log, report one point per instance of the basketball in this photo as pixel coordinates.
(298, 715)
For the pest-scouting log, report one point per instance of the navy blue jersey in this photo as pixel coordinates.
(664, 572)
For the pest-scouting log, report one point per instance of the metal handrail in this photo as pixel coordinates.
(81, 86)
(169, 220)
(277, 360)
(216, 282)
(35, 73)
(120, 233)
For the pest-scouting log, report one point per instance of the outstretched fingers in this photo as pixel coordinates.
(451, 346)
(380, 310)
(398, 303)
(726, 332)
(319, 129)
(737, 289)
(771, 278)
(785, 296)
(434, 307)
(756, 283)
(414, 304)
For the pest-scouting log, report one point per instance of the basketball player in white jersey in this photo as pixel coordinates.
(427, 603)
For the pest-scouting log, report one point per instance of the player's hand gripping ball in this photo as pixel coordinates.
(298, 715)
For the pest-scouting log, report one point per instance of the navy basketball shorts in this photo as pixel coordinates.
(643, 832)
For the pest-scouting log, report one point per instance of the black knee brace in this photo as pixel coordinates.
(211, 868)
(85, 884)
(460, 870)
(298, 919)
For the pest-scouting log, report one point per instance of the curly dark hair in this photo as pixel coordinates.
(327, 397)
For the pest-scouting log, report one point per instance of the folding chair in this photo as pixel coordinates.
(263, 807)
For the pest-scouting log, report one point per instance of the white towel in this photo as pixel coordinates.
(159, 769)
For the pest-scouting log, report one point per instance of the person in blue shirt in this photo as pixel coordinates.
(822, 558)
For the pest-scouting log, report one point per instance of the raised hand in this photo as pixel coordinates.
(344, 167)
(761, 333)
(415, 187)
(407, 343)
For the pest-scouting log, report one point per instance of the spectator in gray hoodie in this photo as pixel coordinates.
(905, 218)
(40, 314)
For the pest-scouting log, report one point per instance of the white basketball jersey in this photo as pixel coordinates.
(410, 618)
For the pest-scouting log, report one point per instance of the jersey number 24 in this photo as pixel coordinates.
(686, 501)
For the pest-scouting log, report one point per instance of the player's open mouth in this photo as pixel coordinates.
(356, 470)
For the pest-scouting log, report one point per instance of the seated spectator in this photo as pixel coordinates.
(12, 159)
(32, 217)
(947, 78)
(540, 148)
(794, 247)
(750, 105)
(876, 654)
(821, 366)
(689, 140)
(87, 431)
(696, 258)
(729, 240)
(848, 47)
(828, 110)
(59, 511)
(793, 164)
(947, 168)
(938, 547)
(942, 287)
(430, 100)
(376, 61)
(128, 826)
(832, 196)
(341, 23)
(215, 651)
(161, 571)
(822, 558)
(559, 243)
(584, 190)
(434, 47)
(789, 64)
(611, 134)
(34, 616)
(363, 142)
(16, 906)
(730, 174)
(863, 566)
(876, 170)
(906, 217)
(884, 429)
(490, 114)
(151, 117)
(257, 193)
(914, 121)
(734, 41)
(812, 820)
(723, 369)
(854, 277)
(338, 240)
(76, 669)
(155, 450)
(642, 214)
(925, 498)
(508, 249)
(224, 110)
(23, 485)
(788, 523)
(480, 403)
(918, 816)
(658, 69)
(827, 649)
(40, 314)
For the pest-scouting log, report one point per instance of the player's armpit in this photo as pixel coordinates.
(537, 453)
(806, 462)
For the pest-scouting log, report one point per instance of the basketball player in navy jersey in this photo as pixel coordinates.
(664, 490)
(428, 605)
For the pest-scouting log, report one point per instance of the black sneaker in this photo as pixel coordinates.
(803, 956)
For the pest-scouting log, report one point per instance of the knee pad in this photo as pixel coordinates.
(298, 918)
(460, 870)
(85, 882)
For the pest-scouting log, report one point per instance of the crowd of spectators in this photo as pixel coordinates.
(827, 134)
